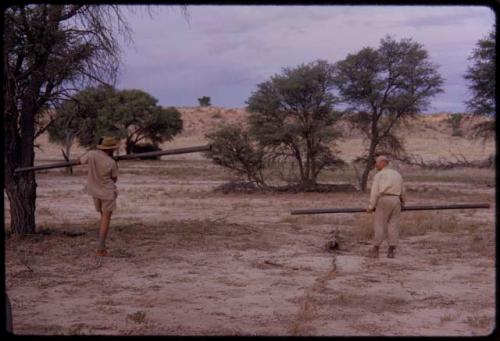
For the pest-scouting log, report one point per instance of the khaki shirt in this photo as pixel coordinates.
(386, 181)
(102, 168)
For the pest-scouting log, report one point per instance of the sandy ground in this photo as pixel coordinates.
(188, 260)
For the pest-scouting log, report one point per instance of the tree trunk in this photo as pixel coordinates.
(369, 165)
(298, 157)
(21, 192)
(129, 145)
(309, 184)
(66, 153)
(8, 315)
(309, 179)
(21, 188)
(364, 177)
(374, 140)
(19, 152)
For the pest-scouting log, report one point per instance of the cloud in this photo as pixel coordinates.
(451, 17)
(227, 50)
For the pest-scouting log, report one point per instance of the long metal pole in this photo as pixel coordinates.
(119, 157)
(405, 208)
(164, 152)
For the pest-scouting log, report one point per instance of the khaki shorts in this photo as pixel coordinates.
(102, 205)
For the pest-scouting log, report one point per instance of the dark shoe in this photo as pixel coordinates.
(373, 252)
(390, 254)
(102, 253)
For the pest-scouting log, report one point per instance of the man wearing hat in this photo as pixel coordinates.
(101, 179)
(386, 198)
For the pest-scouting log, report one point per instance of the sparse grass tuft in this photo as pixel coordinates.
(304, 316)
(137, 317)
(480, 322)
(73, 330)
(313, 219)
(449, 317)
(45, 211)
(344, 298)
(241, 205)
(419, 223)
(434, 261)
(289, 219)
(483, 243)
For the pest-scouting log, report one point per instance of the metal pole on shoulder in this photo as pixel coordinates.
(119, 157)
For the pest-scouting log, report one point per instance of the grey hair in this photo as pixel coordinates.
(382, 158)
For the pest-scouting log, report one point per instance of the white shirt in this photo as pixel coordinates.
(386, 181)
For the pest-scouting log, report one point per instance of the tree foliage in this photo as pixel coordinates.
(204, 101)
(292, 117)
(481, 78)
(382, 87)
(133, 115)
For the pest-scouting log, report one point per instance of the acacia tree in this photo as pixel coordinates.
(137, 117)
(481, 77)
(382, 87)
(292, 117)
(48, 49)
(129, 114)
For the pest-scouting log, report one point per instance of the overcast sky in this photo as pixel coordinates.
(225, 51)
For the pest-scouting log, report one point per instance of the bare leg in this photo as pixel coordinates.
(104, 228)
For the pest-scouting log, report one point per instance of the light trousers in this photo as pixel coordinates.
(386, 220)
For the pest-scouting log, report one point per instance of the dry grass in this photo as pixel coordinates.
(191, 234)
(480, 322)
(466, 175)
(137, 317)
(180, 172)
(344, 298)
(305, 314)
(418, 224)
(317, 219)
(482, 243)
(344, 174)
(45, 211)
(241, 205)
(312, 219)
(434, 261)
(449, 317)
(74, 254)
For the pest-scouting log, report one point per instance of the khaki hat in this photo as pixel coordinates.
(108, 142)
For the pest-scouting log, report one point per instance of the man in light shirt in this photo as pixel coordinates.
(101, 179)
(386, 199)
